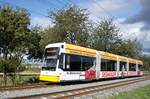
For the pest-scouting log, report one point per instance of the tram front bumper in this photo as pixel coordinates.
(49, 78)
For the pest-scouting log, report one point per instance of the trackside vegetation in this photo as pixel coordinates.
(19, 80)
(70, 24)
(139, 93)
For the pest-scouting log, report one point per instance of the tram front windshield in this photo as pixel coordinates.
(51, 56)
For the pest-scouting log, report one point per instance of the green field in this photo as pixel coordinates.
(139, 93)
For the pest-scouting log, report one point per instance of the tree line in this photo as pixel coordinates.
(71, 25)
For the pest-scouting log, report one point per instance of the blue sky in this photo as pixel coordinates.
(115, 8)
(121, 10)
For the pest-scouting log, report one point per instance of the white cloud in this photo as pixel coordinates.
(148, 36)
(41, 21)
(130, 31)
(145, 39)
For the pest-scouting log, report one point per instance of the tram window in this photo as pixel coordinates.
(67, 62)
(51, 52)
(111, 65)
(75, 63)
(132, 67)
(87, 63)
(121, 66)
(108, 65)
(72, 63)
(103, 65)
(61, 61)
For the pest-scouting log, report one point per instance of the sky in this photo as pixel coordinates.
(131, 16)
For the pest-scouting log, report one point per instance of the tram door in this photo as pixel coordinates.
(123, 68)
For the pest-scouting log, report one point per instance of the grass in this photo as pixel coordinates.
(139, 93)
(23, 80)
(20, 80)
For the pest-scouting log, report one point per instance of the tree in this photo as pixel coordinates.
(70, 25)
(35, 50)
(130, 48)
(14, 38)
(146, 62)
(49, 35)
(106, 36)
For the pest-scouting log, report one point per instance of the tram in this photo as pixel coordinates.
(67, 62)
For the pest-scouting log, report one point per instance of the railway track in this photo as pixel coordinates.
(21, 87)
(70, 93)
